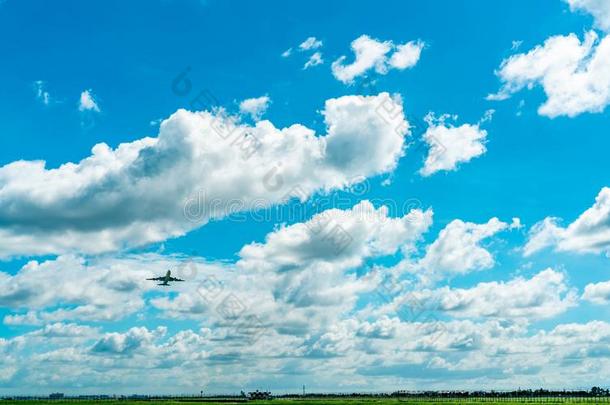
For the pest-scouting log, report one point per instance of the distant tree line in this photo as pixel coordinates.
(529, 393)
(595, 392)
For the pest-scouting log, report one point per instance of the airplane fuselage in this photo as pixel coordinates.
(167, 278)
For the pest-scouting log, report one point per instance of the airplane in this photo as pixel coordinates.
(166, 278)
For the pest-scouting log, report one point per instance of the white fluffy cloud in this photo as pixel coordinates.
(542, 235)
(297, 278)
(310, 46)
(370, 54)
(589, 233)
(126, 343)
(301, 265)
(298, 282)
(255, 107)
(573, 74)
(369, 231)
(406, 55)
(369, 354)
(598, 293)
(152, 189)
(70, 288)
(302, 286)
(310, 43)
(458, 250)
(599, 9)
(545, 295)
(450, 145)
(87, 102)
(314, 60)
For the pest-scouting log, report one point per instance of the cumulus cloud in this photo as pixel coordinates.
(450, 145)
(70, 288)
(92, 290)
(29, 318)
(369, 231)
(406, 55)
(87, 102)
(367, 353)
(127, 343)
(314, 60)
(65, 330)
(304, 293)
(545, 295)
(458, 250)
(139, 349)
(597, 293)
(572, 73)
(310, 43)
(521, 300)
(542, 235)
(202, 166)
(516, 223)
(297, 278)
(599, 9)
(255, 107)
(589, 233)
(371, 53)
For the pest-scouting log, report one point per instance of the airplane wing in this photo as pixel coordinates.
(175, 279)
(156, 278)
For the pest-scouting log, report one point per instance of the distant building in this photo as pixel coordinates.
(138, 396)
(259, 395)
(56, 395)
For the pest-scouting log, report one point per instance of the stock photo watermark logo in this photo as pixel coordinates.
(225, 126)
(391, 113)
(422, 140)
(387, 109)
(231, 310)
(294, 206)
(316, 214)
(323, 226)
(320, 225)
(410, 308)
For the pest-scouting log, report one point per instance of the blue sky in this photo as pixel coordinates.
(481, 126)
